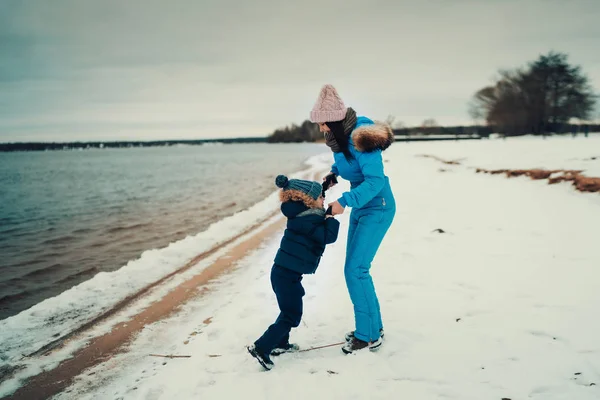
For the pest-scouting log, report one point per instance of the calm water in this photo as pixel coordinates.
(67, 215)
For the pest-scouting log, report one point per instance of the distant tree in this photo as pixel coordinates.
(430, 127)
(394, 123)
(476, 112)
(306, 132)
(429, 123)
(390, 120)
(399, 125)
(538, 99)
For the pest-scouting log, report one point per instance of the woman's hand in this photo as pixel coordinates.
(336, 208)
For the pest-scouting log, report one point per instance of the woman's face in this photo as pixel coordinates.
(323, 128)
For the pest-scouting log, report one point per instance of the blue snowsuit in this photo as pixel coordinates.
(303, 243)
(373, 210)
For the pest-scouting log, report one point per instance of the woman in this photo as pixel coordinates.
(357, 143)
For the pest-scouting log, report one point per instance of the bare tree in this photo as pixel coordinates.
(399, 125)
(390, 120)
(395, 124)
(429, 123)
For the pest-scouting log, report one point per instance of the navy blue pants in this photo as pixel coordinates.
(288, 289)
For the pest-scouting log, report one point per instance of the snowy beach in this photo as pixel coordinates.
(488, 290)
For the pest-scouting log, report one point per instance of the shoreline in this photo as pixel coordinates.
(102, 347)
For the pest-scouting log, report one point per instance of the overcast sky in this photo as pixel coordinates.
(143, 69)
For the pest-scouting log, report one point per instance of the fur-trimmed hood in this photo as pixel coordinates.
(296, 196)
(368, 138)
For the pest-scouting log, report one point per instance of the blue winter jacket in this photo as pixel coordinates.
(368, 183)
(305, 237)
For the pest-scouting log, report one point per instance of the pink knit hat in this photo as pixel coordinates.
(329, 106)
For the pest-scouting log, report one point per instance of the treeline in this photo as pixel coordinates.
(487, 130)
(540, 98)
(481, 130)
(309, 132)
(305, 132)
(46, 146)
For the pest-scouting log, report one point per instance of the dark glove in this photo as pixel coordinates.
(329, 179)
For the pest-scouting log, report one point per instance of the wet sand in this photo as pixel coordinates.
(104, 347)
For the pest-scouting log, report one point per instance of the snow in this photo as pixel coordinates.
(31, 329)
(529, 152)
(501, 305)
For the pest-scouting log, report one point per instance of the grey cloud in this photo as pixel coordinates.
(82, 67)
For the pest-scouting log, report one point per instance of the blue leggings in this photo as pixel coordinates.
(368, 226)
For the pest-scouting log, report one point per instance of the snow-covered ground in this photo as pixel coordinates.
(501, 305)
(528, 152)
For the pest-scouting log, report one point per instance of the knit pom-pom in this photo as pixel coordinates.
(281, 181)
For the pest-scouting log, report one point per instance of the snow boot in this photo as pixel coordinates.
(263, 359)
(350, 335)
(288, 348)
(356, 344)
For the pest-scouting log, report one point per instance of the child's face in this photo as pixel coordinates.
(320, 201)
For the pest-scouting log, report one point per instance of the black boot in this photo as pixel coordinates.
(263, 359)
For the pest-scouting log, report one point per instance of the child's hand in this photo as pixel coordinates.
(336, 208)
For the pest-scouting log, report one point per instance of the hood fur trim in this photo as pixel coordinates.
(368, 138)
(297, 195)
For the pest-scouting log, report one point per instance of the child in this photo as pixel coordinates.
(308, 230)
